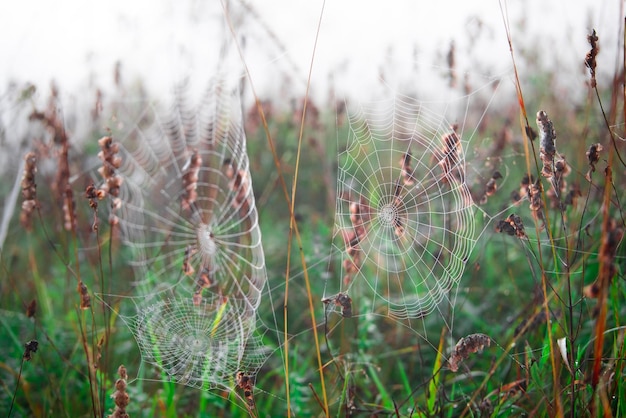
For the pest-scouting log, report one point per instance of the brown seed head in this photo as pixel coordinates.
(547, 142)
(29, 348)
(31, 309)
(465, 346)
(590, 58)
(85, 299)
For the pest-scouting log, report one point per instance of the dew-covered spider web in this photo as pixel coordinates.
(202, 345)
(408, 207)
(403, 206)
(186, 210)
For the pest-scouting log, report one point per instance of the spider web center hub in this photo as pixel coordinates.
(207, 244)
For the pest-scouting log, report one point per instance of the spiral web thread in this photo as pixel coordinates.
(405, 216)
(188, 213)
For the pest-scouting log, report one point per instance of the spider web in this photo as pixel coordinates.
(403, 206)
(186, 210)
(203, 345)
(408, 212)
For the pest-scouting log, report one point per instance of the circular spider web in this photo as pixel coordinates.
(200, 345)
(404, 215)
(187, 206)
(187, 212)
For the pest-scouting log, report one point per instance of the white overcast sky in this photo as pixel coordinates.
(77, 42)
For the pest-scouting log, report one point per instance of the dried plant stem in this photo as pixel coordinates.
(105, 311)
(17, 385)
(526, 128)
(91, 374)
(294, 228)
(605, 270)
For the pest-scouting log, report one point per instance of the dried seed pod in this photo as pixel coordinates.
(69, 210)
(407, 170)
(512, 225)
(536, 202)
(343, 300)
(29, 348)
(572, 196)
(465, 346)
(547, 142)
(190, 180)
(590, 58)
(451, 65)
(203, 281)
(120, 396)
(593, 156)
(246, 384)
(85, 299)
(91, 193)
(188, 269)
(450, 163)
(491, 187)
(518, 196)
(29, 191)
(110, 163)
(31, 309)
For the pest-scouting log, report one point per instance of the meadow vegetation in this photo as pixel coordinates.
(537, 328)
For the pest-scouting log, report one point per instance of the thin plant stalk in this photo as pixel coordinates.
(295, 229)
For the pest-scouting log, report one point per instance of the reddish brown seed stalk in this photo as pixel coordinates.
(85, 299)
(465, 346)
(31, 309)
(69, 210)
(188, 269)
(590, 58)
(29, 349)
(343, 300)
(559, 184)
(190, 180)
(451, 160)
(204, 281)
(359, 214)
(241, 185)
(593, 156)
(29, 191)
(120, 396)
(523, 191)
(451, 59)
(512, 225)
(407, 169)
(110, 163)
(112, 182)
(491, 187)
(246, 384)
(536, 202)
(547, 143)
